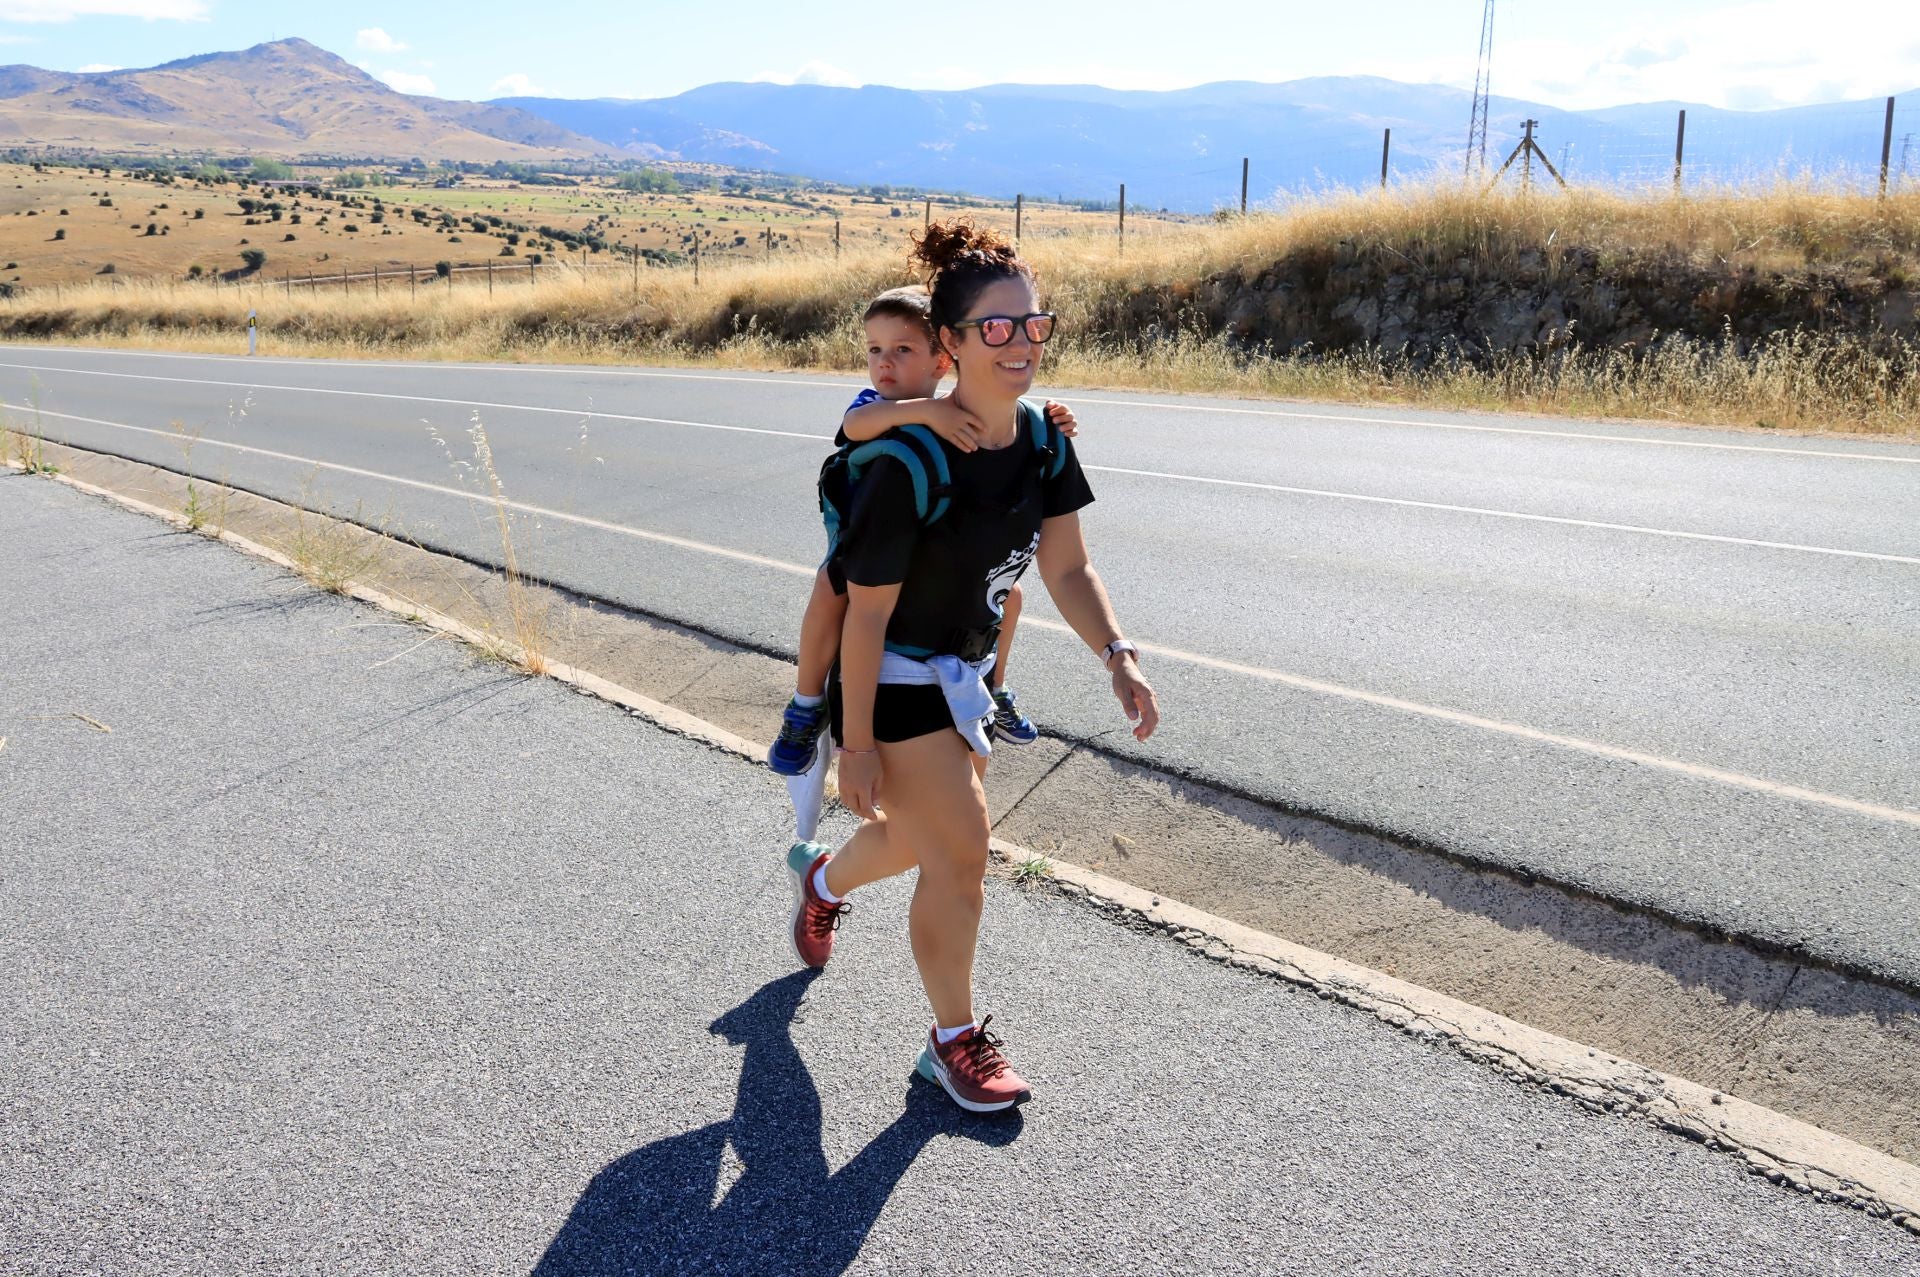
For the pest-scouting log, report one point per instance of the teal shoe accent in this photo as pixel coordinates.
(802, 854)
(924, 1065)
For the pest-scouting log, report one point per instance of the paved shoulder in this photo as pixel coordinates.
(344, 952)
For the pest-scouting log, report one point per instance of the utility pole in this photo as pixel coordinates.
(1482, 85)
(1530, 150)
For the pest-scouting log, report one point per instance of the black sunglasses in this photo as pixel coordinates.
(997, 330)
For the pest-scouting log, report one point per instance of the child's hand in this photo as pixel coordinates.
(954, 424)
(1062, 418)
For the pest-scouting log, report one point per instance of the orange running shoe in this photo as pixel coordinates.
(973, 1071)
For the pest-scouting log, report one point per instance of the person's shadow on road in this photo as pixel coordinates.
(653, 1211)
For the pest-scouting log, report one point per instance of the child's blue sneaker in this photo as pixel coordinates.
(800, 729)
(1009, 724)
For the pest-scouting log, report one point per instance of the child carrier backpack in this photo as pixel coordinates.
(919, 449)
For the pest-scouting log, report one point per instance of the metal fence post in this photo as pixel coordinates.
(1886, 148)
(1679, 150)
(1386, 149)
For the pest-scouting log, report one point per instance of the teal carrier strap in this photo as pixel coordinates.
(918, 449)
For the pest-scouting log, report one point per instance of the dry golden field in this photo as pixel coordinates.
(374, 228)
(797, 306)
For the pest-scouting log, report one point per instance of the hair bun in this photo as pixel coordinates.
(944, 245)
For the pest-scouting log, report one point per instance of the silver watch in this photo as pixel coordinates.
(1114, 649)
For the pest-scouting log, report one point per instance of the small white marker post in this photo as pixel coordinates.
(253, 330)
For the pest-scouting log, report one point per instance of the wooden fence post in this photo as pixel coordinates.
(1018, 202)
(489, 279)
(1244, 161)
(1386, 149)
(836, 239)
(1123, 219)
(1679, 150)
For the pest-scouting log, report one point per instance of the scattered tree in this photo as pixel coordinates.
(255, 258)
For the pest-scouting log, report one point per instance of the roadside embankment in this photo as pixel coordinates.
(1781, 307)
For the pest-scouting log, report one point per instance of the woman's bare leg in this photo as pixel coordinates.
(820, 635)
(1009, 617)
(935, 805)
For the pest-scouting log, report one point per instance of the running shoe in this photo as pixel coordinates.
(972, 1070)
(800, 729)
(1009, 724)
(814, 920)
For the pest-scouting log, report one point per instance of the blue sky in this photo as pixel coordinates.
(1747, 54)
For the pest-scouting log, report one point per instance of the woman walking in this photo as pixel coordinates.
(927, 580)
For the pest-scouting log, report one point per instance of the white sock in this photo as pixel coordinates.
(820, 886)
(807, 702)
(947, 1035)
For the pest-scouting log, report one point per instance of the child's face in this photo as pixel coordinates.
(901, 362)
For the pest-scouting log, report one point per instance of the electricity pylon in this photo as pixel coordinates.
(1482, 83)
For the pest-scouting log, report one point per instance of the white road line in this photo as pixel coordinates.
(442, 490)
(788, 379)
(584, 413)
(1514, 514)
(576, 413)
(1698, 771)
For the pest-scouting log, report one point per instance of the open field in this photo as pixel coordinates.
(55, 228)
(1786, 308)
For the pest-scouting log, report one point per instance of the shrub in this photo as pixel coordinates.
(153, 228)
(107, 269)
(288, 239)
(61, 233)
(443, 269)
(255, 258)
(199, 213)
(350, 227)
(107, 202)
(196, 271)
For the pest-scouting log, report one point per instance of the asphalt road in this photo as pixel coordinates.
(1678, 668)
(343, 952)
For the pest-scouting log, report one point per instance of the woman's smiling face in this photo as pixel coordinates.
(1000, 370)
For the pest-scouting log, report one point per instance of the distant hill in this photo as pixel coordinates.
(1182, 149)
(288, 98)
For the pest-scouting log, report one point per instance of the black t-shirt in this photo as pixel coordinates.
(955, 576)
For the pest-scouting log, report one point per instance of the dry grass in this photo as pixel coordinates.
(799, 311)
(527, 607)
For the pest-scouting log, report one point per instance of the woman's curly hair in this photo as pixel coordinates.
(962, 260)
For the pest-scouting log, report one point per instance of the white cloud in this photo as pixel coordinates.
(812, 72)
(95, 68)
(406, 81)
(1750, 55)
(374, 40)
(517, 85)
(68, 10)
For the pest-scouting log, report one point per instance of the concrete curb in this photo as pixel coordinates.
(1781, 1148)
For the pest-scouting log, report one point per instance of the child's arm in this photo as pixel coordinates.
(946, 419)
(1063, 419)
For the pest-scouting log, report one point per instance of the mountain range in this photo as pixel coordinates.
(288, 98)
(1179, 150)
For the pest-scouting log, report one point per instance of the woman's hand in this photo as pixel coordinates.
(1063, 420)
(1135, 696)
(954, 424)
(860, 782)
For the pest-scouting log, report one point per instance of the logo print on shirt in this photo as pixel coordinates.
(1000, 580)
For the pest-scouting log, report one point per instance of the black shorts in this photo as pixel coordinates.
(901, 711)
